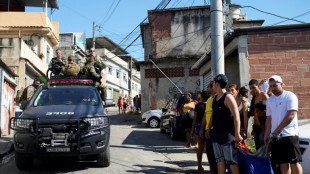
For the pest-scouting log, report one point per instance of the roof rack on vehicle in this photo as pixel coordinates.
(70, 80)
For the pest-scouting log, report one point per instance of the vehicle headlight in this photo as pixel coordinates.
(22, 124)
(97, 122)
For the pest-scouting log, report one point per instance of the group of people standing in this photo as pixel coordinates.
(129, 103)
(90, 66)
(68, 67)
(221, 122)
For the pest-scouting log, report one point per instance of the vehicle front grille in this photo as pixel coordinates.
(64, 128)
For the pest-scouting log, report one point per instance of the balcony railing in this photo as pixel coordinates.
(32, 57)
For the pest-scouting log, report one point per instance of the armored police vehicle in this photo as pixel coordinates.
(65, 117)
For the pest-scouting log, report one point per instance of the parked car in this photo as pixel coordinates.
(152, 118)
(304, 142)
(109, 103)
(171, 119)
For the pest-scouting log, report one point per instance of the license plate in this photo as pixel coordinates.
(58, 149)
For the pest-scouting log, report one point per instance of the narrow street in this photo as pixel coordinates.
(134, 149)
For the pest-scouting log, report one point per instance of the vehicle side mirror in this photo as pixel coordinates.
(164, 109)
(23, 104)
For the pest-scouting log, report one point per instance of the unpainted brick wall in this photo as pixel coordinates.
(170, 72)
(287, 55)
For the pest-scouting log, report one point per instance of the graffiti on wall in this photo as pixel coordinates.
(7, 107)
(152, 96)
(173, 91)
(158, 91)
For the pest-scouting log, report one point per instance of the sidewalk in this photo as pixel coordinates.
(6, 148)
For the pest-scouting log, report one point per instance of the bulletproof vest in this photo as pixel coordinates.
(87, 70)
(72, 70)
(25, 93)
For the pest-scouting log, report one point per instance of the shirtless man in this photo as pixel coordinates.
(257, 95)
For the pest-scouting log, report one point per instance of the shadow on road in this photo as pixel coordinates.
(163, 169)
(53, 165)
(186, 163)
(125, 119)
(168, 150)
(149, 137)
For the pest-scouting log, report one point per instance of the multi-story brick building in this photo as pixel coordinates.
(259, 52)
(176, 39)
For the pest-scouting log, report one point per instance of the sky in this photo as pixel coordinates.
(117, 18)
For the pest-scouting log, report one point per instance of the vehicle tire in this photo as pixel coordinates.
(23, 162)
(103, 159)
(154, 122)
(173, 134)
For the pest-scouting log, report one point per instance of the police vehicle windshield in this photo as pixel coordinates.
(67, 96)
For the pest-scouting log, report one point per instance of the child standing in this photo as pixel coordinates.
(120, 104)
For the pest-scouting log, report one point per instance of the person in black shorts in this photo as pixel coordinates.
(197, 122)
(226, 127)
(187, 117)
(282, 127)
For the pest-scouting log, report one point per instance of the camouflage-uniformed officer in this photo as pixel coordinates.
(72, 69)
(99, 62)
(90, 71)
(57, 64)
(29, 90)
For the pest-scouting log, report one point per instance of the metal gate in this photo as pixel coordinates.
(206, 79)
(115, 95)
(109, 93)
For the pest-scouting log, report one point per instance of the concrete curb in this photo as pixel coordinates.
(7, 152)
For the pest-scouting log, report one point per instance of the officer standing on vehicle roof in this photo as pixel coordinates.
(90, 71)
(58, 63)
(99, 62)
(72, 69)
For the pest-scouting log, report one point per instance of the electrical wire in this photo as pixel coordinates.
(182, 35)
(77, 12)
(111, 13)
(192, 3)
(176, 3)
(291, 19)
(110, 7)
(163, 4)
(301, 15)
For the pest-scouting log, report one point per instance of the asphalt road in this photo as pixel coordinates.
(134, 149)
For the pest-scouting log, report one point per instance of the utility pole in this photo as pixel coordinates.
(94, 37)
(130, 82)
(46, 1)
(217, 38)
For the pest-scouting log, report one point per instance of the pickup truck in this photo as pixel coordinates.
(65, 117)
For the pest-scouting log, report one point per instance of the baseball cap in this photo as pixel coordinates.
(221, 79)
(277, 79)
